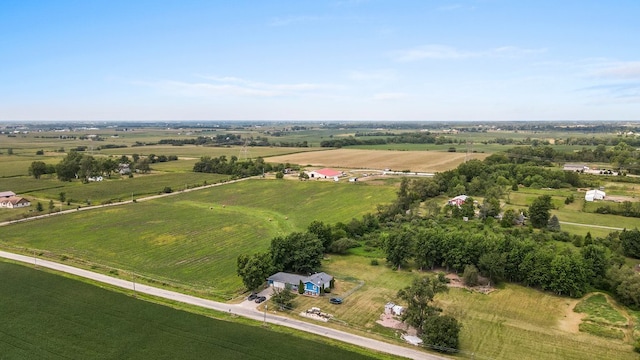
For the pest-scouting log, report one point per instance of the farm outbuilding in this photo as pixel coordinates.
(458, 200)
(325, 173)
(593, 195)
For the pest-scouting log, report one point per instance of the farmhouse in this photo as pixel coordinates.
(14, 202)
(312, 284)
(592, 195)
(325, 173)
(458, 200)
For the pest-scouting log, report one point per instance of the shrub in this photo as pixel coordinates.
(470, 275)
(374, 262)
(167, 190)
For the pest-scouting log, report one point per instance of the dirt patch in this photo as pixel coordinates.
(571, 320)
(456, 282)
(620, 198)
(389, 321)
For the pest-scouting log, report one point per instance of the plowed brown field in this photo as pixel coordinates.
(415, 161)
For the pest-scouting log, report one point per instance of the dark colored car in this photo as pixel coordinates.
(253, 296)
(335, 300)
(260, 299)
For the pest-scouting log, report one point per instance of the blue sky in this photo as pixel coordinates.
(320, 60)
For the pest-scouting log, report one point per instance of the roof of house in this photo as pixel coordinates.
(596, 192)
(7, 193)
(328, 172)
(289, 278)
(15, 200)
(460, 197)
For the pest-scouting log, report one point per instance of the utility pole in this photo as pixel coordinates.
(265, 314)
(35, 259)
(133, 276)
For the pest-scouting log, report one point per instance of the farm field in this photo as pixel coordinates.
(422, 161)
(512, 322)
(191, 240)
(49, 316)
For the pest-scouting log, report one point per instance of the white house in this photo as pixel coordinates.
(7, 194)
(593, 195)
(14, 202)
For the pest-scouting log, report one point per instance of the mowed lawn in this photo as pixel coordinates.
(192, 239)
(512, 322)
(423, 161)
(47, 316)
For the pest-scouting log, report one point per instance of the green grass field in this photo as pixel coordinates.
(602, 319)
(48, 316)
(192, 239)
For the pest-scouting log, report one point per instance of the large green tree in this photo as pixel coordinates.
(297, 252)
(37, 169)
(419, 297)
(398, 246)
(441, 333)
(630, 240)
(254, 269)
(539, 211)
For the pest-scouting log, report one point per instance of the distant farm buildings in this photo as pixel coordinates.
(593, 195)
(575, 167)
(325, 173)
(458, 200)
(9, 200)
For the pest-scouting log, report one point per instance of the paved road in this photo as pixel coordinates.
(147, 198)
(236, 309)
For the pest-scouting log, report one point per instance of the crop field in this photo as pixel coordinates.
(422, 161)
(512, 322)
(192, 151)
(192, 239)
(49, 316)
(18, 165)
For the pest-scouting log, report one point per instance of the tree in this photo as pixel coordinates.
(283, 298)
(39, 207)
(297, 252)
(493, 265)
(630, 240)
(37, 169)
(322, 231)
(303, 176)
(554, 224)
(10, 151)
(441, 333)
(254, 269)
(419, 297)
(398, 247)
(539, 211)
(508, 218)
(51, 206)
(62, 196)
(300, 287)
(341, 246)
(279, 175)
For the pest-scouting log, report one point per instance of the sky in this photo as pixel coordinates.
(484, 60)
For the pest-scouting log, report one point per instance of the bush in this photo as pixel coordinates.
(470, 275)
(374, 262)
(167, 190)
(441, 333)
(342, 245)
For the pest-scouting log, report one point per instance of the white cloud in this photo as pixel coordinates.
(390, 96)
(227, 85)
(629, 70)
(439, 52)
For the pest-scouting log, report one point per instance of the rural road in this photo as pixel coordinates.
(141, 199)
(593, 226)
(231, 308)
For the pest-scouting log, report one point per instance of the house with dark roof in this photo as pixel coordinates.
(312, 283)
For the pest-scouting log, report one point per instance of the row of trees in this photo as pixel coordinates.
(232, 166)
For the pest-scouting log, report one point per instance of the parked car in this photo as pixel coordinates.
(253, 296)
(335, 300)
(260, 299)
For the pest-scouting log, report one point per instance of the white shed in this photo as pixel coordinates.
(592, 195)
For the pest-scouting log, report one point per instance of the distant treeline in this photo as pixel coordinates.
(231, 139)
(246, 168)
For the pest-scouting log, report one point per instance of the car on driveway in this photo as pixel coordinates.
(335, 300)
(252, 297)
(260, 299)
